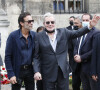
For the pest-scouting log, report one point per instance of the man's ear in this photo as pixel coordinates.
(21, 23)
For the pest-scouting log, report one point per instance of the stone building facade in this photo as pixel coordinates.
(63, 9)
(39, 7)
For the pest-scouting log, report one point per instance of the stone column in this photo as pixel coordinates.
(57, 6)
(4, 31)
(74, 5)
(3, 34)
(0, 4)
(66, 5)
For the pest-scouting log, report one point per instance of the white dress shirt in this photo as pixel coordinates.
(53, 41)
(80, 43)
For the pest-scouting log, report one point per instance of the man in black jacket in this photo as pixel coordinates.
(76, 81)
(95, 63)
(83, 52)
(70, 45)
(71, 22)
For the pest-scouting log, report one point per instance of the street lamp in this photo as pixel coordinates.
(23, 6)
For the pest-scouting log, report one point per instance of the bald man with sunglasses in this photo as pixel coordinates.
(19, 54)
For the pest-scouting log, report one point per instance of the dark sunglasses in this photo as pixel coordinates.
(48, 22)
(29, 21)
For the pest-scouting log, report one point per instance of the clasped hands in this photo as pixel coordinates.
(77, 58)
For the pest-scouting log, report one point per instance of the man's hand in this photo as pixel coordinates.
(13, 80)
(94, 77)
(94, 21)
(77, 58)
(37, 76)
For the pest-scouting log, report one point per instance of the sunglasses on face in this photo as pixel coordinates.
(29, 21)
(48, 22)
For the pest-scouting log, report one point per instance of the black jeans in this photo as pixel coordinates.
(76, 80)
(27, 76)
(39, 85)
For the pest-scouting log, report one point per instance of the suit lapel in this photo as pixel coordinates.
(87, 37)
(58, 38)
(46, 39)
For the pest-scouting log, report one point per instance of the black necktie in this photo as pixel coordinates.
(83, 38)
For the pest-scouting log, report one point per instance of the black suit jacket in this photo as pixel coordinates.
(70, 46)
(49, 59)
(95, 62)
(86, 51)
(72, 62)
(69, 28)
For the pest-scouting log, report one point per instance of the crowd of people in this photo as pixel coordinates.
(80, 55)
(43, 56)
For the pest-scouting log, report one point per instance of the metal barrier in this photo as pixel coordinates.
(69, 6)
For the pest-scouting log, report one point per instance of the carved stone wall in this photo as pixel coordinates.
(4, 23)
(94, 6)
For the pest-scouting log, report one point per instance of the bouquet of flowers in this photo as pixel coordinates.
(4, 77)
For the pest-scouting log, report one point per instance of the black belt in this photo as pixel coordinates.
(26, 67)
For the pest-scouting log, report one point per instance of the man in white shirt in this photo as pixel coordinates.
(51, 53)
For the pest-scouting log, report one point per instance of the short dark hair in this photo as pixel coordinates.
(72, 17)
(40, 28)
(88, 14)
(21, 18)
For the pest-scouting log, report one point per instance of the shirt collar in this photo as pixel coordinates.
(21, 35)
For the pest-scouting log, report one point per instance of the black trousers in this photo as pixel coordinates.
(27, 76)
(60, 84)
(76, 80)
(87, 82)
(39, 85)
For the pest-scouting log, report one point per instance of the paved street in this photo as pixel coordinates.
(8, 87)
